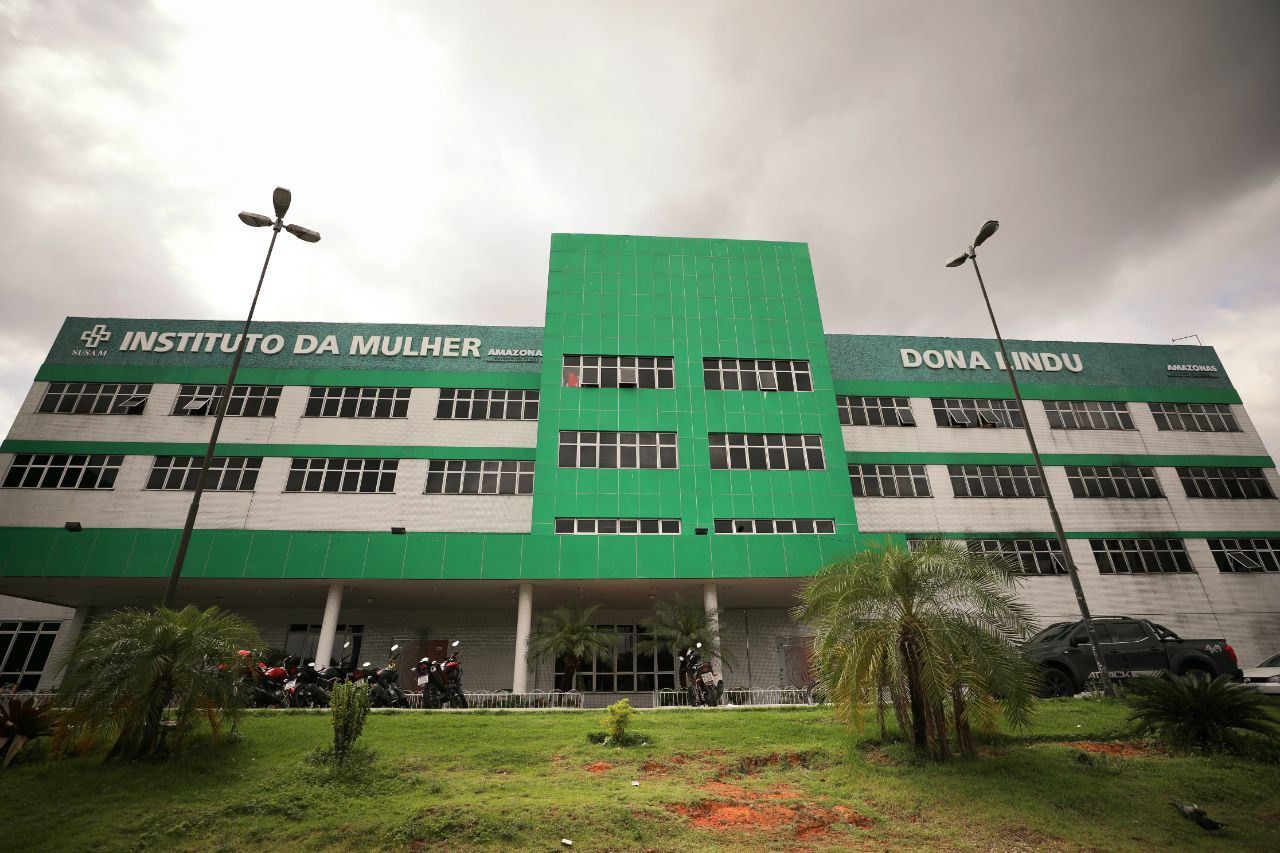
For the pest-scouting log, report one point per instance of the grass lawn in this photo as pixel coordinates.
(733, 779)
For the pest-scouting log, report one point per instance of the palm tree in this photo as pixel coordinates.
(935, 630)
(570, 632)
(680, 625)
(127, 669)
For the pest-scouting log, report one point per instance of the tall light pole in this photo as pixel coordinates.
(971, 254)
(280, 199)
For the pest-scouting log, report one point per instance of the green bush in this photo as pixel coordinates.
(617, 720)
(1195, 712)
(350, 708)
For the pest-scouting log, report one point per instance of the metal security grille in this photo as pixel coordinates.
(766, 451)
(889, 481)
(995, 481)
(1229, 483)
(968, 412)
(875, 411)
(487, 404)
(479, 477)
(24, 650)
(756, 374)
(95, 398)
(622, 526)
(247, 401)
(1140, 556)
(226, 474)
(619, 371)
(1088, 414)
(63, 471)
(1246, 555)
(775, 525)
(1194, 417)
(348, 476)
(1034, 556)
(1113, 481)
(592, 449)
(347, 402)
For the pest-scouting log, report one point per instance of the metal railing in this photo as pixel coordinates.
(506, 699)
(739, 696)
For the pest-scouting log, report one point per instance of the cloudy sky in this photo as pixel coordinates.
(1130, 149)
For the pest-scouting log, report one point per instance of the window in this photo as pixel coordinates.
(875, 411)
(63, 471)
(775, 525)
(247, 401)
(1194, 417)
(226, 473)
(1246, 555)
(619, 371)
(1090, 414)
(479, 477)
(995, 481)
(487, 404)
(968, 412)
(592, 449)
(1113, 481)
(623, 526)
(625, 668)
(347, 402)
(889, 481)
(766, 451)
(756, 374)
(95, 398)
(24, 649)
(348, 476)
(301, 641)
(1035, 556)
(1234, 483)
(1138, 556)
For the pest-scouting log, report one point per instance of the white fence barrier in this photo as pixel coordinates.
(740, 696)
(507, 699)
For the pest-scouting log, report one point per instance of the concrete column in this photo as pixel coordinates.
(329, 624)
(711, 603)
(67, 636)
(524, 623)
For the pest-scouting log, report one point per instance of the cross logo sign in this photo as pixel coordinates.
(95, 336)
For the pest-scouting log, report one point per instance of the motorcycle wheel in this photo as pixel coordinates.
(459, 699)
(709, 696)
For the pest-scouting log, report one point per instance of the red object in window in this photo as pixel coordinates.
(571, 379)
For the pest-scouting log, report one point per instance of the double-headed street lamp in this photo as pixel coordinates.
(971, 254)
(280, 199)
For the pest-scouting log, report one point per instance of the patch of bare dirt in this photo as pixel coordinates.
(755, 763)
(1119, 750)
(782, 808)
(598, 767)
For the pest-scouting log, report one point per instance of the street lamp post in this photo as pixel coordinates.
(280, 199)
(971, 254)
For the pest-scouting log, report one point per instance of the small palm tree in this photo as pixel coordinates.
(127, 669)
(570, 632)
(1196, 712)
(933, 630)
(679, 625)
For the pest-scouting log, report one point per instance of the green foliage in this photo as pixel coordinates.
(21, 721)
(144, 680)
(680, 625)
(350, 704)
(617, 719)
(570, 632)
(1197, 712)
(934, 631)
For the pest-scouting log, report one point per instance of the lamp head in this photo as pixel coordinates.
(305, 234)
(281, 198)
(257, 220)
(958, 260)
(988, 228)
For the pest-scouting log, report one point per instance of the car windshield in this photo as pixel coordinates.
(1274, 660)
(1053, 632)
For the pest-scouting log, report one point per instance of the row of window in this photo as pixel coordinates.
(956, 412)
(24, 650)
(1131, 556)
(107, 398)
(670, 526)
(1086, 481)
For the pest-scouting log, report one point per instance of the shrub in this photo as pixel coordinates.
(1195, 712)
(350, 708)
(617, 719)
(21, 721)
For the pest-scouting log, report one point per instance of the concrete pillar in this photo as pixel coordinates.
(67, 636)
(711, 603)
(329, 624)
(524, 623)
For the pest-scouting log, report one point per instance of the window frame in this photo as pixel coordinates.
(247, 401)
(783, 375)
(22, 663)
(1263, 550)
(1089, 415)
(1194, 417)
(595, 526)
(774, 526)
(1118, 556)
(650, 372)
(322, 471)
(1001, 478)
(1118, 482)
(975, 413)
(623, 449)
(226, 473)
(95, 398)
(875, 411)
(359, 402)
(456, 477)
(493, 404)
(99, 470)
(766, 451)
(1224, 483)
(888, 477)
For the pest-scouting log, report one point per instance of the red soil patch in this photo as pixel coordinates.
(598, 767)
(1120, 750)
(655, 767)
(714, 815)
(737, 808)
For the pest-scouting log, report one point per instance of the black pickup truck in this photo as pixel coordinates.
(1129, 646)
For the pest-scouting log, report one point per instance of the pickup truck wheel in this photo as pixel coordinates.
(1195, 670)
(1056, 684)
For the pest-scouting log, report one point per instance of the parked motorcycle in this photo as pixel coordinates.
(305, 687)
(452, 672)
(430, 678)
(704, 687)
(389, 678)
